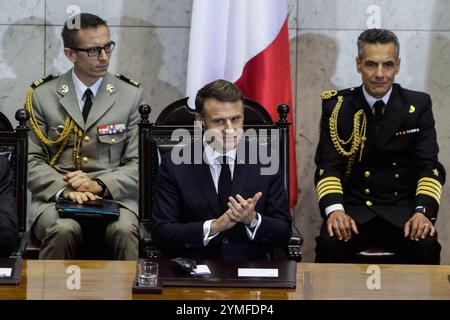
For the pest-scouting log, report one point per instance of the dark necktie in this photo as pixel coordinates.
(378, 107)
(224, 185)
(87, 103)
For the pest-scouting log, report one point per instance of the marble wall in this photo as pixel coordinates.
(152, 46)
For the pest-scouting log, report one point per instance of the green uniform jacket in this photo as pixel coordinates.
(111, 157)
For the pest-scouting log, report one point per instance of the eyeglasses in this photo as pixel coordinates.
(96, 51)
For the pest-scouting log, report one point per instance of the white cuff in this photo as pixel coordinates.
(251, 233)
(206, 231)
(333, 207)
(59, 193)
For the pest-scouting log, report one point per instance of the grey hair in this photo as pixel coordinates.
(374, 36)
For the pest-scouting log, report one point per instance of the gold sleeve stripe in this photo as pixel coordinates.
(430, 187)
(437, 194)
(327, 179)
(329, 184)
(433, 185)
(432, 181)
(323, 194)
(433, 195)
(323, 190)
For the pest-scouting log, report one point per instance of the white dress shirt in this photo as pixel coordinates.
(80, 88)
(213, 158)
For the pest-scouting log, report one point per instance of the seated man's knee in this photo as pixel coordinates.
(122, 229)
(66, 229)
(424, 251)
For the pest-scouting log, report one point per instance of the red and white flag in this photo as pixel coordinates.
(245, 42)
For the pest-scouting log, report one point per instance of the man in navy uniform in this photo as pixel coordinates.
(378, 178)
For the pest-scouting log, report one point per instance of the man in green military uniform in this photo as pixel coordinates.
(378, 178)
(84, 144)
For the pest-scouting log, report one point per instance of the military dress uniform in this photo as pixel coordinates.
(381, 173)
(105, 147)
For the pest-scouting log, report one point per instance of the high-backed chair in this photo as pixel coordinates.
(14, 143)
(156, 139)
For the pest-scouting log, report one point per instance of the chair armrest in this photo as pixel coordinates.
(19, 251)
(294, 244)
(146, 247)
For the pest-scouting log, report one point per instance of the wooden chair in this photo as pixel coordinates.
(14, 142)
(156, 138)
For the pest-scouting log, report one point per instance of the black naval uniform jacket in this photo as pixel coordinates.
(399, 169)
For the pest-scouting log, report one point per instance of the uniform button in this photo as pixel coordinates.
(87, 139)
(367, 174)
(369, 203)
(113, 140)
(85, 159)
(367, 191)
(396, 176)
(225, 241)
(394, 164)
(395, 193)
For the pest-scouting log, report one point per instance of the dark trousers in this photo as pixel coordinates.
(377, 233)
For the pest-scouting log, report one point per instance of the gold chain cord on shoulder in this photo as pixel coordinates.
(356, 140)
(69, 128)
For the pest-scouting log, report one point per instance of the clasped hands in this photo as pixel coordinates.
(81, 188)
(239, 210)
(342, 225)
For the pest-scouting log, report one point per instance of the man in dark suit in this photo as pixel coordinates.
(378, 178)
(8, 210)
(221, 207)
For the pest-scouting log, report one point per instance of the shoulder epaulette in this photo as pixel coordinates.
(328, 94)
(43, 80)
(130, 81)
(325, 95)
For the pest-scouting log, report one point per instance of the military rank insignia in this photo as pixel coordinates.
(111, 129)
(405, 132)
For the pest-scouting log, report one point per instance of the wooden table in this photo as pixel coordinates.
(47, 279)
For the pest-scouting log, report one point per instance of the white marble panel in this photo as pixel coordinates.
(174, 13)
(156, 57)
(292, 14)
(21, 63)
(394, 14)
(22, 12)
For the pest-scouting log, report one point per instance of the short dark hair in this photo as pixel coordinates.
(374, 36)
(221, 90)
(87, 20)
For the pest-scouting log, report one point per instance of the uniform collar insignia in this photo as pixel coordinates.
(64, 88)
(110, 88)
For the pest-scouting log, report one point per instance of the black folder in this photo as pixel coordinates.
(225, 274)
(98, 209)
(16, 265)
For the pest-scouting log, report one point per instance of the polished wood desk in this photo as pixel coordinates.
(113, 279)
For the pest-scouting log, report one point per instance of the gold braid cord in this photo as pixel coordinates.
(356, 139)
(61, 142)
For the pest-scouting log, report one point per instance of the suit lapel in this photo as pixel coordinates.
(68, 98)
(103, 101)
(393, 117)
(207, 185)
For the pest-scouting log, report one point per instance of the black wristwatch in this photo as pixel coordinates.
(102, 185)
(423, 210)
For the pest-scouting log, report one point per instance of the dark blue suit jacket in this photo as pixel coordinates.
(8, 211)
(185, 198)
